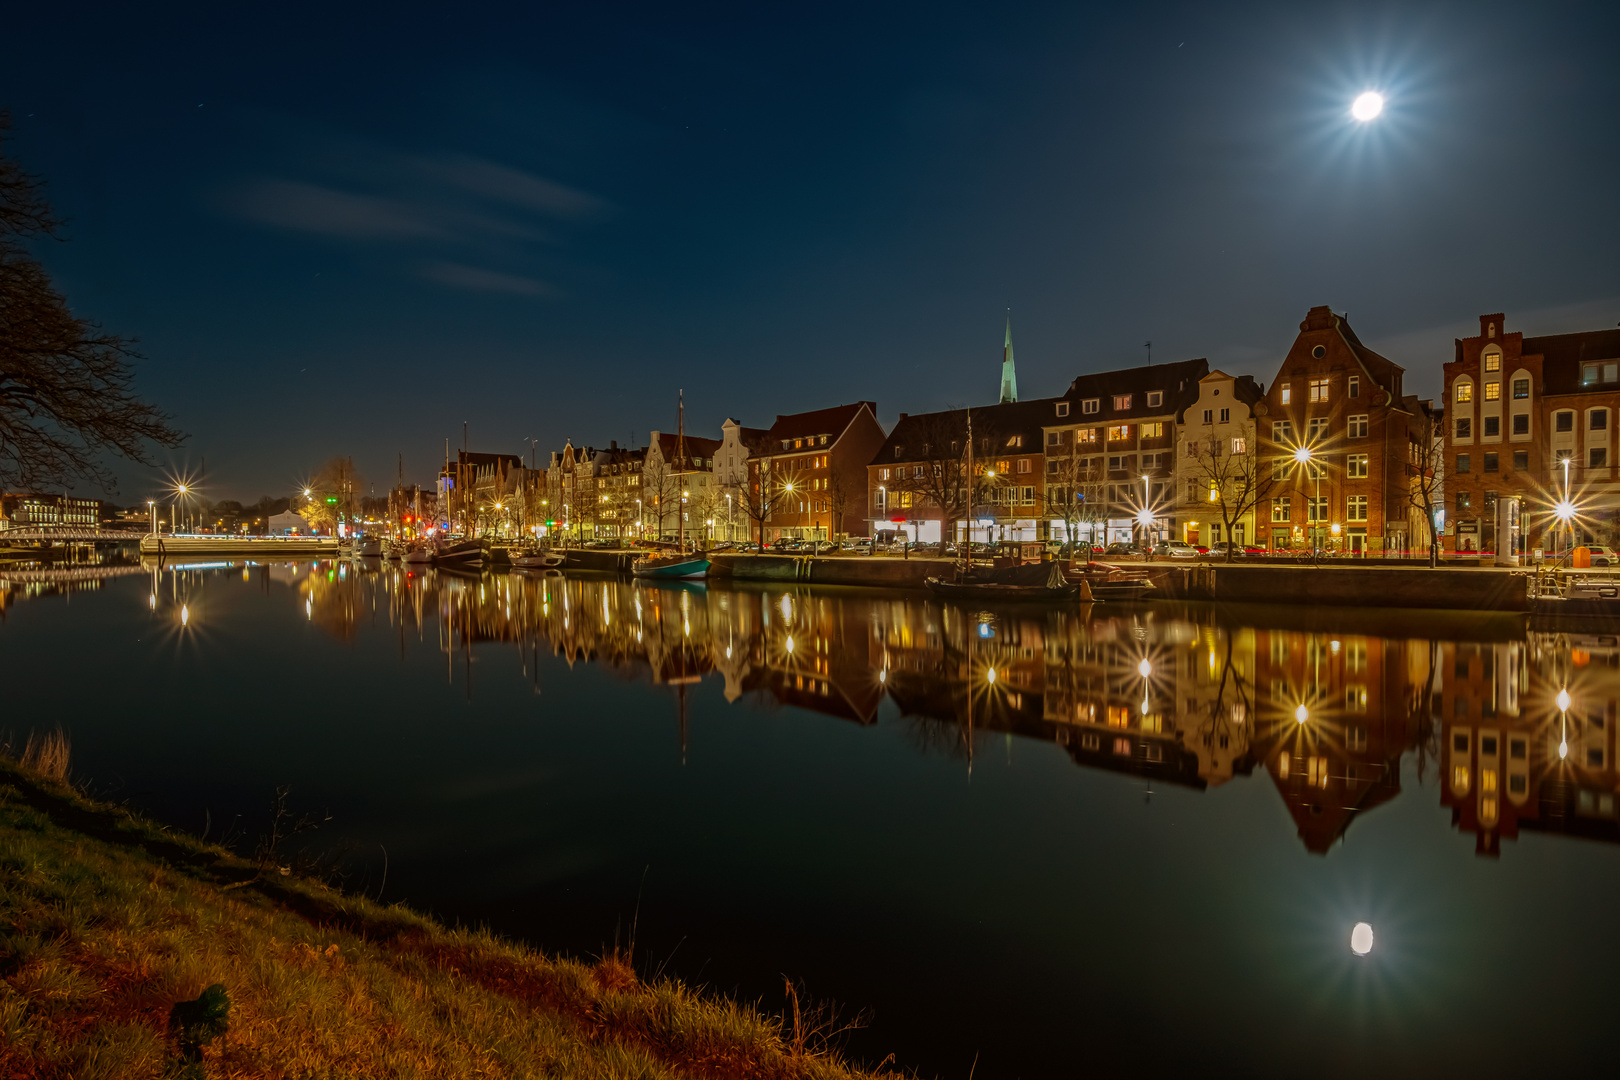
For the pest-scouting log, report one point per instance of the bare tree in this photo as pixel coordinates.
(767, 490)
(1238, 477)
(66, 387)
(1425, 454)
(838, 500)
(1073, 492)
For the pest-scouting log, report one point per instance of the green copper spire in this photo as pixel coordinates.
(1009, 377)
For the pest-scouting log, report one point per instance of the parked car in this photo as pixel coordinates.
(823, 547)
(1174, 549)
(1603, 555)
(1117, 549)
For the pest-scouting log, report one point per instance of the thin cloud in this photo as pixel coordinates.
(476, 279)
(514, 187)
(328, 212)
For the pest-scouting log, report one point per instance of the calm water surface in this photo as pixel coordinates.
(1028, 844)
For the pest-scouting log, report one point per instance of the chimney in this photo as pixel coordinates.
(904, 415)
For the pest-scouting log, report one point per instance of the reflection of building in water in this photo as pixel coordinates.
(1154, 691)
(1334, 715)
(1527, 737)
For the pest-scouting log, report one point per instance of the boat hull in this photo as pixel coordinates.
(676, 567)
(1002, 593)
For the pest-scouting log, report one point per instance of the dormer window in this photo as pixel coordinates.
(1091, 405)
(1122, 402)
(1155, 398)
(1063, 408)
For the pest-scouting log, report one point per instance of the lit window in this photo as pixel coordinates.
(1287, 392)
(1122, 402)
(1086, 435)
(1318, 390)
(1282, 509)
(1240, 446)
(1463, 392)
(1493, 391)
(1152, 431)
(1119, 433)
(1459, 779)
(1355, 466)
(1493, 361)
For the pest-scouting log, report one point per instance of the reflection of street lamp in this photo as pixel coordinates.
(1303, 456)
(1563, 724)
(1301, 713)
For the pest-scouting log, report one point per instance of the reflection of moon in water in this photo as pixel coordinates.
(1367, 106)
(1361, 939)
(1145, 668)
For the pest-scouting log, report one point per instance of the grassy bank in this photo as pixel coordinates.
(107, 921)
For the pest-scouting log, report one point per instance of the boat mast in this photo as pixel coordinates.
(967, 548)
(680, 458)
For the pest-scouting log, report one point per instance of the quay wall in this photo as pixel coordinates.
(599, 560)
(876, 573)
(1349, 586)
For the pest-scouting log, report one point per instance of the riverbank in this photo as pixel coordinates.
(107, 921)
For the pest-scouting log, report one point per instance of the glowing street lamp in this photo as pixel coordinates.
(1304, 456)
(1301, 713)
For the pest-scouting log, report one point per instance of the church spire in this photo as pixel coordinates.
(1009, 377)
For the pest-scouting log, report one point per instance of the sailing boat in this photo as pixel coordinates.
(679, 565)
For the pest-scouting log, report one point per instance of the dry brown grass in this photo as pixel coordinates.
(106, 921)
(46, 754)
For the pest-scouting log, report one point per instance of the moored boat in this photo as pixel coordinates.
(670, 566)
(536, 560)
(465, 553)
(990, 590)
(417, 554)
(368, 547)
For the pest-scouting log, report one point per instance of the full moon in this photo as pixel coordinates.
(1367, 106)
(1361, 939)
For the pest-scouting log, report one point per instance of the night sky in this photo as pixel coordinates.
(346, 232)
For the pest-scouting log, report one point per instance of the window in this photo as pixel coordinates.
(1119, 433)
(1090, 405)
(1315, 429)
(1226, 416)
(1493, 391)
(1592, 374)
(1521, 424)
(1282, 509)
(1209, 416)
(1493, 427)
(1493, 361)
(1358, 426)
(1116, 463)
(1354, 386)
(885, 474)
(1053, 438)
(1521, 388)
(1122, 402)
(1517, 749)
(1355, 466)
(1282, 431)
(1597, 457)
(1564, 421)
(1152, 431)
(1316, 508)
(1023, 464)
(1279, 468)
(1356, 508)
(1490, 463)
(1355, 700)
(1015, 441)
(1463, 392)
(1521, 461)
(916, 471)
(1063, 408)
(1287, 392)
(1240, 446)
(1086, 435)
(1598, 420)
(1465, 428)
(1155, 398)
(1465, 501)
(1317, 390)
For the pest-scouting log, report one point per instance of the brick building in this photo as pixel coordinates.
(1344, 405)
(1519, 409)
(810, 471)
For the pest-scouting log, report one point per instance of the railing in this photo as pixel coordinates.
(68, 532)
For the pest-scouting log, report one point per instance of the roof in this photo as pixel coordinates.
(916, 432)
(831, 422)
(1384, 371)
(1563, 354)
(1178, 381)
(696, 445)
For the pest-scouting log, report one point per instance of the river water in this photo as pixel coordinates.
(1022, 843)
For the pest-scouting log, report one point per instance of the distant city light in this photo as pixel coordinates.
(1367, 107)
(1361, 939)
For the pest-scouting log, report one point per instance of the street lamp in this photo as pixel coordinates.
(1303, 456)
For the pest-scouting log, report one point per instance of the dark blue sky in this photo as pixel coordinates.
(347, 233)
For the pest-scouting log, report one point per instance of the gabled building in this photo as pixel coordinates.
(737, 445)
(810, 472)
(1216, 443)
(1341, 406)
(1532, 418)
(681, 491)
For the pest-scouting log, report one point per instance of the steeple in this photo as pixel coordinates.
(1009, 377)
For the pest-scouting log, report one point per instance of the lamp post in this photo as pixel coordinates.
(1147, 504)
(731, 533)
(1304, 457)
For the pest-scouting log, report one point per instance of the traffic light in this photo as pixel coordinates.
(331, 500)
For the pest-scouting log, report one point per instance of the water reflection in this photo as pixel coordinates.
(1173, 695)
